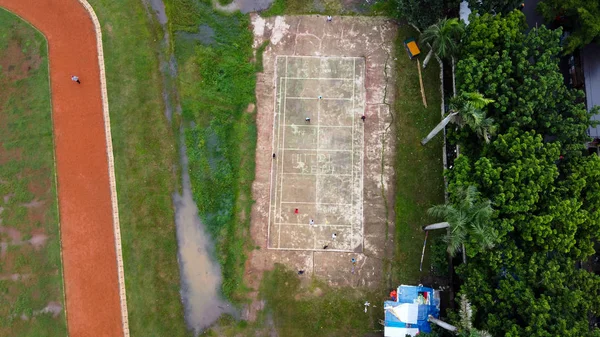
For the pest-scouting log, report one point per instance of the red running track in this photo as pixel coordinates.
(84, 194)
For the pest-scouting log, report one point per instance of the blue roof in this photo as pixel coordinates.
(416, 302)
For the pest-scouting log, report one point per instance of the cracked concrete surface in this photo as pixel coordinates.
(370, 38)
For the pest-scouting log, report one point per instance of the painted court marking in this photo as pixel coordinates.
(327, 172)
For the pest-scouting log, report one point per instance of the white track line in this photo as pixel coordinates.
(111, 169)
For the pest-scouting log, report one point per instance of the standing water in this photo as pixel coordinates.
(200, 273)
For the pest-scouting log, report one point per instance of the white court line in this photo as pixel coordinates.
(352, 166)
(317, 250)
(318, 174)
(324, 150)
(317, 164)
(312, 203)
(325, 57)
(281, 143)
(316, 126)
(319, 78)
(277, 159)
(315, 225)
(362, 169)
(324, 98)
(282, 153)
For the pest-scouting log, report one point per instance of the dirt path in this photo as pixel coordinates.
(88, 221)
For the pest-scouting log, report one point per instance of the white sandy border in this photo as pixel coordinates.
(111, 169)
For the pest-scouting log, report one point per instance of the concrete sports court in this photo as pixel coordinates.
(317, 172)
(337, 169)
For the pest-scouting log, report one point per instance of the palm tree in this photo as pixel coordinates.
(467, 109)
(465, 325)
(443, 37)
(468, 218)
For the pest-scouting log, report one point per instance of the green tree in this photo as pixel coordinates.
(494, 6)
(467, 110)
(544, 187)
(421, 13)
(580, 17)
(444, 37)
(467, 220)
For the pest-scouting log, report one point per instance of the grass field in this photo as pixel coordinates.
(30, 265)
(216, 86)
(146, 167)
(329, 7)
(419, 170)
(309, 307)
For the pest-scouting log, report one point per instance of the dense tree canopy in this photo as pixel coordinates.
(421, 13)
(580, 17)
(494, 6)
(544, 188)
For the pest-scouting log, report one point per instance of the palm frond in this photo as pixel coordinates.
(439, 211)
(444, 36)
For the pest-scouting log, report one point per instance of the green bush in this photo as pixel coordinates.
(439, 257)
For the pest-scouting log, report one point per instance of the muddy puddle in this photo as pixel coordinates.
(200, 273)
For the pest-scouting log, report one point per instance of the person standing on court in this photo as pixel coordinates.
(75, 79)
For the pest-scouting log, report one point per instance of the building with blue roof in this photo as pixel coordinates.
(408, 314)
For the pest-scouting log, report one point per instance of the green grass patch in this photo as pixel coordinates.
(419, 169)
(145, 164)
(259, 56)
(225, 2)
(327, 7)
(309, 307)
(317, 309)
(289, 7)
(216, 86)
(27, 185)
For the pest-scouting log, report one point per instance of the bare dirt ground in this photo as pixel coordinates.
(372, 40)
(85, 209)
